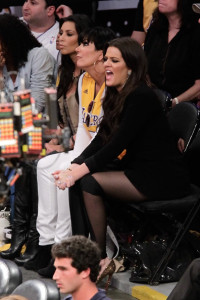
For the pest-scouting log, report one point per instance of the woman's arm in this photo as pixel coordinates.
(96, 156)
(188, 95)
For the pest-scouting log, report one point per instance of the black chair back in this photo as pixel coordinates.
(38, 289)
(10, 276)
(184, 121)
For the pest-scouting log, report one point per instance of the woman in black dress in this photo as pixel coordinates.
(134, 137)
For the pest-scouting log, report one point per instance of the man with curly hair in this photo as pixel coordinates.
(77, 267)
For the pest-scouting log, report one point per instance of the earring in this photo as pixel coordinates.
(129, 72)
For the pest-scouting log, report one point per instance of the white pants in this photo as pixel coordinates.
(53, 221)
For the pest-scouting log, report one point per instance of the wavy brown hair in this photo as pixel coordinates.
(113, 103)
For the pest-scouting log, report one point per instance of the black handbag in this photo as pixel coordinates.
(147, 257)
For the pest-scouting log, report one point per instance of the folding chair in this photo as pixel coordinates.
(10, 276)
(38, 289)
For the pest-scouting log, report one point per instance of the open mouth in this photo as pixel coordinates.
(109, 75)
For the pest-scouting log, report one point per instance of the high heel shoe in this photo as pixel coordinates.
(109, 271)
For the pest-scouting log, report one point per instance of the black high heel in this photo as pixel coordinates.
(109, 271)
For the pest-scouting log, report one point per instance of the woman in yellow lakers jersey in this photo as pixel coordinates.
(53, 222)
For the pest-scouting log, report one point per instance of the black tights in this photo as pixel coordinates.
(102, 185)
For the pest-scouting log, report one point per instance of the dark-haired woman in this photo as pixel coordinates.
(27, 192)
(134, 127)
(172, 46)
(54, 221)
(24, 63)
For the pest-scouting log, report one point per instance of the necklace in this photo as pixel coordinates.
(75, 78)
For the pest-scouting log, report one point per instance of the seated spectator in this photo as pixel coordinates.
(175, 68)
(22, 57)
(77, 267)
(143, 19)
(149, 166)
(41, 19)
(26, 197)
(53, 222)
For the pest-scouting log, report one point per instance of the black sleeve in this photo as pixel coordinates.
(91, 149)
(138, 24)
(134, 117)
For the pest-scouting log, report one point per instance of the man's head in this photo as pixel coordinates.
(37, 13)
(76, 261)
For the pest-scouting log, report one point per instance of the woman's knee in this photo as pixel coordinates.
(90, 185)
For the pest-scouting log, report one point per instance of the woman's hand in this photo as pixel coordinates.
(67, 178)
(63, 179)
(63, 11)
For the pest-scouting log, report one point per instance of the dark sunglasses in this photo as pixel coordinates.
(90, 108)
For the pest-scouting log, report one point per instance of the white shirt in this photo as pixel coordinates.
(48, 39)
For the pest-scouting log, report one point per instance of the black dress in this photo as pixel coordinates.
(152, 161)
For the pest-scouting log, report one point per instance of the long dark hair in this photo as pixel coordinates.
(67, 67)
(16, 40)
(184, 8)
(113, 103)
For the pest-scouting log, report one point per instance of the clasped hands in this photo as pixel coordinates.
(64, 179)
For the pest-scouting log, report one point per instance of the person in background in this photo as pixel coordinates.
(22, 58)
(41, 19)
(121, 164)
(143, 19)
(176, 68)
(76, 268)
(68, 108)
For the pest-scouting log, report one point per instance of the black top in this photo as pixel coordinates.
(173, 66)
(152, 162)
(138, 24)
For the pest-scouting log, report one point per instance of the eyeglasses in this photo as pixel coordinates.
(88, 117)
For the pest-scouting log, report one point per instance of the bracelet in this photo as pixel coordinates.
(176, 100)
(69, 169)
